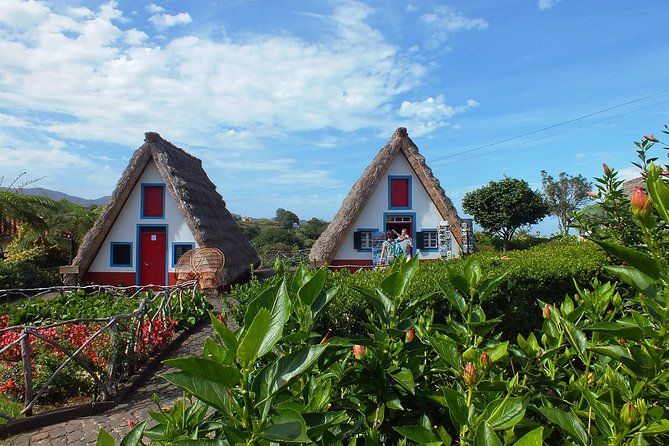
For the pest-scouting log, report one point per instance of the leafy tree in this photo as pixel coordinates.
(564, 196)
(70, 222)
(286, 218)
(503, 206)
(313, 228)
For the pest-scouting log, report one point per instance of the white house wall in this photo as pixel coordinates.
(427, 216)
(125, 226)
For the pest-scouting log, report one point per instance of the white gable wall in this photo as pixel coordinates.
(125, 226)
(372, 216)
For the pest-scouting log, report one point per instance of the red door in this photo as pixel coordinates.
(152, 255)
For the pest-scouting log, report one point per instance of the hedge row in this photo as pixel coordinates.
(546, 272)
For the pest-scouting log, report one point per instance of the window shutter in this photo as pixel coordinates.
(420, 240)
(357, 240)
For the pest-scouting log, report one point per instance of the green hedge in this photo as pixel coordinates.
(545, 272)
(26, 275)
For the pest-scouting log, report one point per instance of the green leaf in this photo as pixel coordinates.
(472, 272)
(211, 392)
(104, 439)
(417, 434)
(253, 338)
(393, 284)
(282, 372)
(317, 423)
(637, 259)
(485, 436)
(532, 438)
(602, 412)
(455, 402)
(322, 301)
(447, 350)
(207, 369)
(659, 427)
(638, 440)
(497, 351)
(622, 329)
(415, 303)
(506, 413)
(286, 426)
(576, 336)
(635, 278)
(568, 422)
(312, 288)
(134, 437)
(489, 285)
(227, 337)
(454, 298)
(658, 191)
(405, 378)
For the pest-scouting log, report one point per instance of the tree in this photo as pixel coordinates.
(71, 222)
(502, 207)
(286, 218)
(313, 228)
(565, 196)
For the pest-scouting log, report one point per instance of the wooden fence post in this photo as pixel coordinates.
(27, 369)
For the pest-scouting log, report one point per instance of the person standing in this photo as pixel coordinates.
(406, 242)
(388, 248)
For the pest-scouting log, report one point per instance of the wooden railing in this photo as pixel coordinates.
(124, 346)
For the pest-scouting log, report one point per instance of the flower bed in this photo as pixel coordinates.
(49, 362)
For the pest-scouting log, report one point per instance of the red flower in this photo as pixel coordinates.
(131, 423)
(591, 194)
(410, 334)
(469, 374)
(547, 312)
(650, 138)
(606, 168)
(359, 351)
(640, 203)
(485, 361)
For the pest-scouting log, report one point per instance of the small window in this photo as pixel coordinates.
(427, 240)
(179, 249)
(399, 192)
(363, 239)
(153, 201)
(430, 240)
(121, 254)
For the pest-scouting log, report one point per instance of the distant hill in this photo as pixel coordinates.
(55, 195)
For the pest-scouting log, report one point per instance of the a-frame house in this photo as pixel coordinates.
(164, 205)
(396, 191)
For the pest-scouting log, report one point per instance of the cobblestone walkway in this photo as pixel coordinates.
(84, 431)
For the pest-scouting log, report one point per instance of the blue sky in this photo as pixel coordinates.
(286, 102)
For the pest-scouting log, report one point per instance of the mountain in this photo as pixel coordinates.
(55, 195)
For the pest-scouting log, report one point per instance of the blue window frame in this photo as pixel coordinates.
(179, 249)
(399, 191)
(429, 239)
(362, 239)
(153, 200)
(120, 254)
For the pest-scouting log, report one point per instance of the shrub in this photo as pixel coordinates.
(26, 275)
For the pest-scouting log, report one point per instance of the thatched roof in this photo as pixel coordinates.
(630, 185)
(201, 206)
(328, 243)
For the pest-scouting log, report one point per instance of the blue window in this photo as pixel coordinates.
(363, 238)
(179, 249)
(120, 254)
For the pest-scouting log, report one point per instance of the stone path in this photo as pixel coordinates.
(84, 431)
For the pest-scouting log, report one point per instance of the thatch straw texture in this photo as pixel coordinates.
(201, 206)
(329, 242)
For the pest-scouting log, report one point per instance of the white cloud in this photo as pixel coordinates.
(547, 4)
(84, 74)
(430, 114)
(161, 20)
(443, 21)
(629, 173)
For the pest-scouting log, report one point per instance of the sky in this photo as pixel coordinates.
(286, 102)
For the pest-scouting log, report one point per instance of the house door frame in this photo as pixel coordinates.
(158, 229)
(400, 220)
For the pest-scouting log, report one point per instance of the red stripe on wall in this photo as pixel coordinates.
(118, 278)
